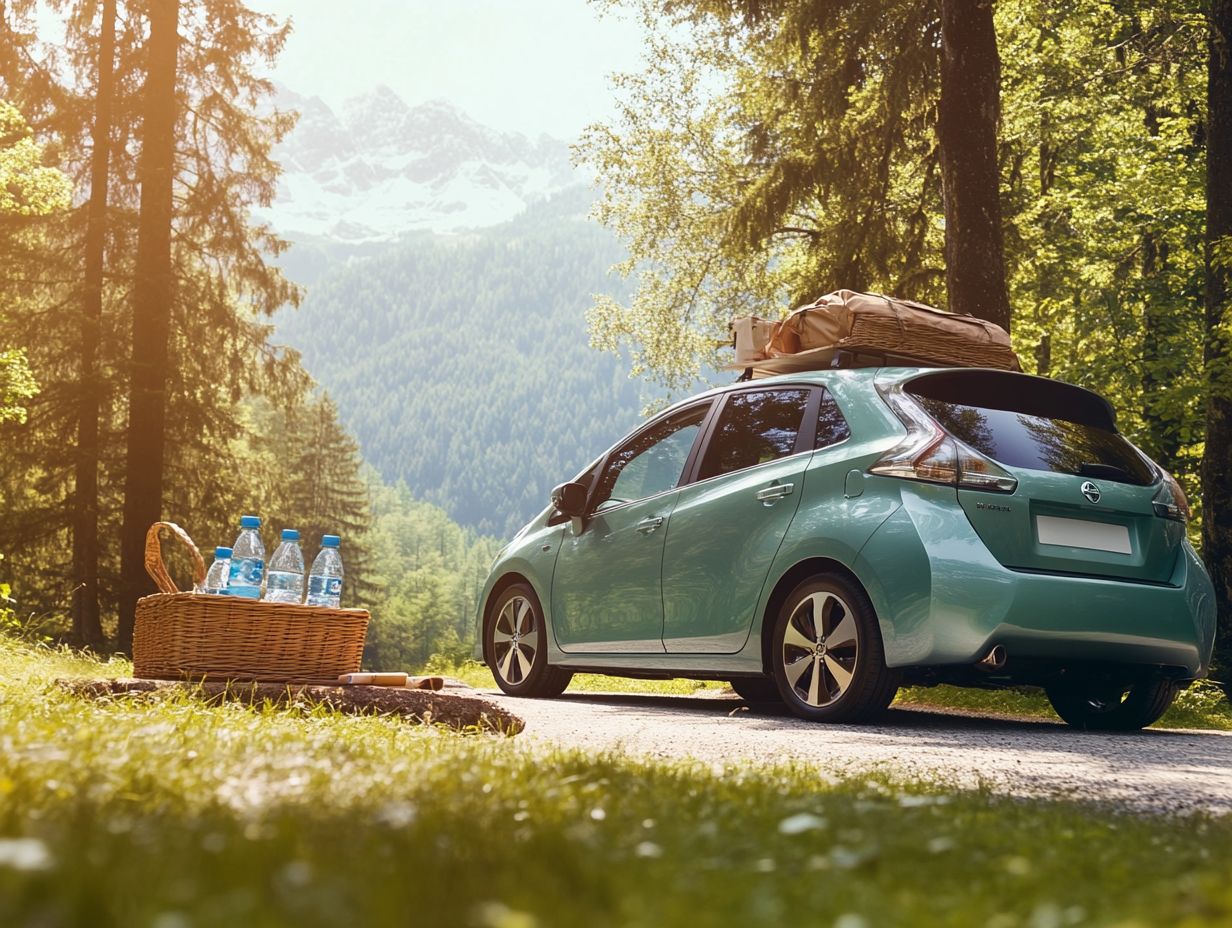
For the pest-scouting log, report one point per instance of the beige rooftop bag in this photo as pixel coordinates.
(867, 323)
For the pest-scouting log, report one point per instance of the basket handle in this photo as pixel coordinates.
(154, 565)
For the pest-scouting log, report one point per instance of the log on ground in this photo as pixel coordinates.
(451, 709)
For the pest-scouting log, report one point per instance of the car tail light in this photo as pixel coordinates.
(931, 454)
(1170, 502)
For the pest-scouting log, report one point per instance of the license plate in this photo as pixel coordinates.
(1079, 533)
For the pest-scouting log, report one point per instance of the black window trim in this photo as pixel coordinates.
(805, 438)
(689, 462)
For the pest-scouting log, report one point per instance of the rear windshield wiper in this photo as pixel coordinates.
(1106, 472)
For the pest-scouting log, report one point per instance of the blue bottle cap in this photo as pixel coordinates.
(330, 541)
(250, 522)
(290, 534)
(221, 552)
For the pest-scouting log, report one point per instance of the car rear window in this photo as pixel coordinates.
(1033, 423)
(1040, 442)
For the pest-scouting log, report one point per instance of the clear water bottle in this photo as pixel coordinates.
(220, 572)
(284, 582)
(325, 580)
(247, 560)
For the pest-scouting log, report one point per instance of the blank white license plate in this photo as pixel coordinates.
(1078, 533)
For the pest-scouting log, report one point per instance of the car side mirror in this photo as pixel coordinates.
(570, 499)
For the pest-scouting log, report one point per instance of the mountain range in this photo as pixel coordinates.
(379, 168)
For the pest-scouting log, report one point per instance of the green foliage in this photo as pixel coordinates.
(770, 152)
(225, 284)
(28, 187)
(461, 366)
(16, 384)
(429, 572)
(221, 815)
(756, 165)
(1103, 147)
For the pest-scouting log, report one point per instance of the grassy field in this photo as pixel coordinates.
(175, 814)
(1201, 706)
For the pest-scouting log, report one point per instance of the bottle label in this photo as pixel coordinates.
(325, 586)
(284, 581)
(246, 574)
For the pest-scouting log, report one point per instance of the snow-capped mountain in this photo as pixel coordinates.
(380, 168)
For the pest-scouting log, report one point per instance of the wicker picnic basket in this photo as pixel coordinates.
(193, 635)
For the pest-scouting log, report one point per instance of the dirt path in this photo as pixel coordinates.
(1154, 771)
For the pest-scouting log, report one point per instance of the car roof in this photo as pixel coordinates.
(820, 377)
(886, 376)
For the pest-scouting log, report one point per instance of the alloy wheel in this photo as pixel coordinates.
(515, 640)
(821, 645)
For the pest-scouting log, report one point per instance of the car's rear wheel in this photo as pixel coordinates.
(515, 646)
(1098, 705)
(827, 655)
(756, 689)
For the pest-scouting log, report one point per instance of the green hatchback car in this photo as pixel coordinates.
(823, 538)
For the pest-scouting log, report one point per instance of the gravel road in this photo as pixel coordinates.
(1151, 771)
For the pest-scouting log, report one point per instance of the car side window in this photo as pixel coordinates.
(755, 426)
(831, 426)
(651, 462)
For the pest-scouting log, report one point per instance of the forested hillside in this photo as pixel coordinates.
(462, 365)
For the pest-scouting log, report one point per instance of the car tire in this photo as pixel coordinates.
(515, 646)
(1094, 705)
(756, 689)
(835, 672)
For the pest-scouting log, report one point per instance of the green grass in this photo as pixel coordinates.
(479, 676)
(1203, 705)
(130, 813)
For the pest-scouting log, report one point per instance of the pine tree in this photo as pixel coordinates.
(151, 310)
(217, 341)
(87, 628)
(315, 485)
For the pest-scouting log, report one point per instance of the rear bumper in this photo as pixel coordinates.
(943, 599)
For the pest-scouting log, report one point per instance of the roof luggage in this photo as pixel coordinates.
(850, 329)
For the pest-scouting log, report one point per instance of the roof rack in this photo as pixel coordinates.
(822, 359)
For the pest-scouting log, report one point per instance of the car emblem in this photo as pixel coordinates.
(1091, 491)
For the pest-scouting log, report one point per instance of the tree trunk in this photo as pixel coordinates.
(1217, 460)
(967, 117)
(1163, 433)
(152, 294)
(87, 629)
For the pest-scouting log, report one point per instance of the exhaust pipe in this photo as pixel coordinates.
(994, 659)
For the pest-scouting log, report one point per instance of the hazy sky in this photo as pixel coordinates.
(527, 65)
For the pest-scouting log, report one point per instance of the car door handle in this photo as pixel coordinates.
(646, 526)
(775, 491)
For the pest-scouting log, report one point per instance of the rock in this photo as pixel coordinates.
(452, 709)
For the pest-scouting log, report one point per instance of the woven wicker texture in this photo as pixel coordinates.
(886, 334)
(191, 635)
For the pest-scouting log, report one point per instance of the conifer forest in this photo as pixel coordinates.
(1064, 170)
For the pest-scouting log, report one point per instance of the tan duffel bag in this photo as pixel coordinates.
(857, 322)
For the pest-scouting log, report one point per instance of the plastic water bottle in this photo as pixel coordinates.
(325, 580)
(220, 572)
(247, 560)
(284, 583)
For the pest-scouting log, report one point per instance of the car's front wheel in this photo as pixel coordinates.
(827, 654)
(515, 646)
(1098, 705)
